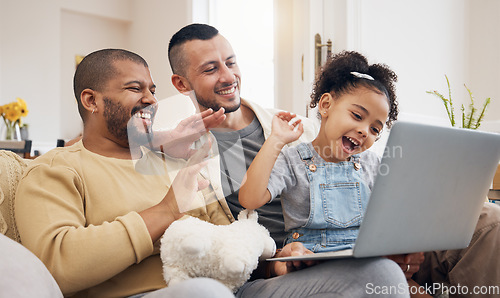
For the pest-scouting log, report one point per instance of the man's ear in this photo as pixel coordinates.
(181, 84)
(88, 100)
(324, 104)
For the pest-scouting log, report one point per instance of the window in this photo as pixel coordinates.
(249, 27)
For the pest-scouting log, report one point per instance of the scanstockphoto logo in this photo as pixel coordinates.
(432, 289)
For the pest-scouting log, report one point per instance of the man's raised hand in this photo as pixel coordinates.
(177, 142)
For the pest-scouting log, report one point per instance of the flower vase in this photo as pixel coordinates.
(24, 133)
(10, 131)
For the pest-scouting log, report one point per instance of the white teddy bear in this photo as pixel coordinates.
(228, 253)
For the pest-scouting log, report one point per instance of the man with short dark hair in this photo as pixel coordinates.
(87, 211)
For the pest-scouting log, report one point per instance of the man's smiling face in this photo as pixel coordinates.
(129, 102)
(212, 73)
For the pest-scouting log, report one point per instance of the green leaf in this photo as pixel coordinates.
(446, 103)
(452, 112)
(469, 119)
(463, 116)
(480, 118)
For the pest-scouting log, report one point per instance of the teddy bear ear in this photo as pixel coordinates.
(252, 214)
(243, 214)
(248, 214)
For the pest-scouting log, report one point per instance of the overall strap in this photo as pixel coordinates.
(304, 151)
(355, 158)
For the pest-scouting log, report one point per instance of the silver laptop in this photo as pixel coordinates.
(428, 194)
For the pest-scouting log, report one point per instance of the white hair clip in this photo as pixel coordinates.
(362, 75)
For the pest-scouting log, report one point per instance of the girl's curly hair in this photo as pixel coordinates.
(336, 78)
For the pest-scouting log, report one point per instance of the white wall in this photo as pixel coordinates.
(421, 54)
(112, 9)
(30, 62)
(427, 39)
(484, 57)
(78, 37)
(1, 49)
(154, 23)
(421, 42)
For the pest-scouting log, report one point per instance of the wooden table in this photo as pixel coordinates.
(494, 194)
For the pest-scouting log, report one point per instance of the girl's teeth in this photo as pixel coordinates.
(353, 141)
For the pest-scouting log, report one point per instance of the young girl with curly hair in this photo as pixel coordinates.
(325, 185)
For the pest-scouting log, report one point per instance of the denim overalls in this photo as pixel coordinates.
(338, 199)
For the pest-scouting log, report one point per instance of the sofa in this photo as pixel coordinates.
(23, 274)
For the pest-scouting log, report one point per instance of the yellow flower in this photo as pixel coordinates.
(13, 111)
(13, 114)
(7, 107)
(23, 107)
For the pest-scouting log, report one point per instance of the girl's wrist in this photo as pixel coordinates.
(276, 141)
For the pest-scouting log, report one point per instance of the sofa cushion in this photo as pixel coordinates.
(11, 170)
(23, 274)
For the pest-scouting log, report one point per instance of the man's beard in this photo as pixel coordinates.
(214, 105)
(121, 124)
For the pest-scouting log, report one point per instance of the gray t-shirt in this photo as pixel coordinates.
(289, 179)
(237, 149)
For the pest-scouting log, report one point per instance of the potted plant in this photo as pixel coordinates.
(471, 116)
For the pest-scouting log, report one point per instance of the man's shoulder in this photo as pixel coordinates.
(257, 108)
(59, 156)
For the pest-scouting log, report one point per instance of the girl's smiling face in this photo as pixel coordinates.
(350, 123)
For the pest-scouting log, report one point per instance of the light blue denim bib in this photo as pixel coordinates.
(338, 199)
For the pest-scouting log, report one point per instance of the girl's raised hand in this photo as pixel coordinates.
(286, 130)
